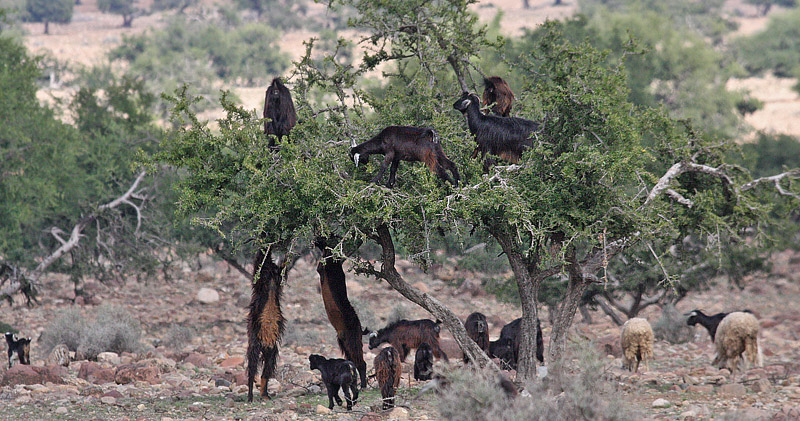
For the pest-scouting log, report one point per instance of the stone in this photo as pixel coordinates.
(322, 410)
(207, 295)
(761, 386)
(129, 373)
(703, 389)
(732, 389)
(28, 374)
(114, 394)
(95, 373)
(232, 362)
(398, 414)
(61, 410)
(108, 357)
(273, 386)
(108, 400)
(197, 359)
(688, 415)
(661, 403)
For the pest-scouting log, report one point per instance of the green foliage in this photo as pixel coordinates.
(57, 11)
(776, 49)
(181, 5)
(198, 53)
(764, 6)
(126, 8)
(283, 14)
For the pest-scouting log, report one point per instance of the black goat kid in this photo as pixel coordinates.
(506, 137)
(478, 330)
(405, 143)
(423, 362)
(20, 346)
(337, 373)
(506, 348)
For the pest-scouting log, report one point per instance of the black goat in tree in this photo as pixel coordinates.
(406, 143)
(506, 137)
(279, 114)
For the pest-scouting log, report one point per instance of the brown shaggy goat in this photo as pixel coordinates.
(388, 369)
(265, 321)
(406, 335)
(497, 93)
(478, 330)
(279, 114)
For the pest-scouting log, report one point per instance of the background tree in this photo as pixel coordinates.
(57, 11)
(126, 8)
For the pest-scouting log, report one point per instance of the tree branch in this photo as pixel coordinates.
(776, 180)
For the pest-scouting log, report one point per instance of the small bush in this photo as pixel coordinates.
(66, 328)
(177, 337)
(672, 327)
(576, 388)
(113, 329)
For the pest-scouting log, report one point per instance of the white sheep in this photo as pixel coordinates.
(737, 334)
(637, 344)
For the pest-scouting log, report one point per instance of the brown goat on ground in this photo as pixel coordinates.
(388, 369)
(406, 335)
(265, 322)
(497, 93)
(340, 312)
(478, 330)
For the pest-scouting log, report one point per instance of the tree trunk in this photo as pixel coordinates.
(46, 27)
(436, 308)
(528, 287)
(566, 311)
(127, 20)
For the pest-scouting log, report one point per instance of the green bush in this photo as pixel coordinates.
(777, 48)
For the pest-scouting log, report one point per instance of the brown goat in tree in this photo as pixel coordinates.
(406, 335)
(478, 330)
(388, 369)
(405, 143)
(497, 93)
(279, 114)
(265, 322)
(340, 312)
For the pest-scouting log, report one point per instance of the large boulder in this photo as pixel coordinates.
(96, 373)
(129, 373)
(28, 374)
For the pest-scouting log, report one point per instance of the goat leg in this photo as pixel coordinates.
(384, 166)
(393, 173)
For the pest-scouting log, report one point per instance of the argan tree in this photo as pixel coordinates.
(126, 8)
(56, 11)
(603, 174)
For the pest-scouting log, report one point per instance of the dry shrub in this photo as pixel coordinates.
(113, 329)
(66, 328)
(672, 327)
(177, 337)
(577, 388)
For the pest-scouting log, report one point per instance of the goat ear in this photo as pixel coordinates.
(373, 334)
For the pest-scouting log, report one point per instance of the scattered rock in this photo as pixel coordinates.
(398, 414)
(95, 373)
(61, 410)
(322, 410)
(702, 389)
(28, 374)
(129, 373)
(114, 394)
(207, 295)
(108, 400)
(661, 403)
(197, 359)
(761, 386)
(232, 362)
(108, 357)
(732, 389)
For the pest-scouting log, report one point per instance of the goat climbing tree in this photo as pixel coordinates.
(602, 176)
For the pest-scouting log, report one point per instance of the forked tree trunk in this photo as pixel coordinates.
(566, 310)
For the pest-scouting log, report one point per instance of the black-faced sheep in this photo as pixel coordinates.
(337, 373)
(737, 334)
(497, 93)
(423, 362)
(709, 322)
(406, 335)
(637, 344)
(506, 137)
(405, 143)
(19, 346)
(478, 330)
(388, 370)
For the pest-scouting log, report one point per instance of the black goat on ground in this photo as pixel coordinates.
(506, 137)
(265, 322)
(497, 93)
(19, 346)
(405, 143)
(406, 335)
(388, 369)
(423, 362)
(340, 312)
(709, 322)
(506, 348)
(337, 373)
(279, 114)
(478, 330)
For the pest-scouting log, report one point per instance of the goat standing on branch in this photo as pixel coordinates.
(498, 95)
(405, 143)
(340, 312)
(506, 137)
(265, 322)
(279, 114)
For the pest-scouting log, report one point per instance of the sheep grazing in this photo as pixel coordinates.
(19, 346)
(506, 137)
(709, 322)
(506, 348)
(388, 370)
(406, 335)
(405, 143)
(637, 344)
(337, 373)
(737, 334)
(279, 114)
(497, 93)
(478, 330)
(423, 362)
(59, 356)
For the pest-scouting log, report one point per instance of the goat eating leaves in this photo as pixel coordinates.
(405, 143)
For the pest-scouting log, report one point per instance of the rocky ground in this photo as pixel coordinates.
(203, 377)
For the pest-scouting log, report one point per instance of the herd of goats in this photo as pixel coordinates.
(734, 334)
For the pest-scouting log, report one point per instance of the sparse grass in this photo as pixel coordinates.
(112, 329)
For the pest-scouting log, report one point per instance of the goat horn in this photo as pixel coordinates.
(353, 142)
(355, 158)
